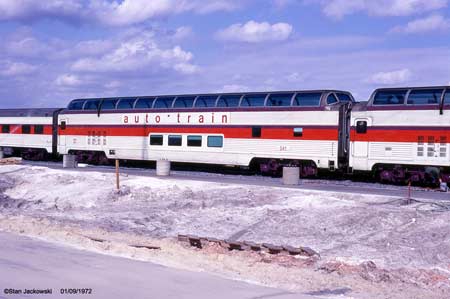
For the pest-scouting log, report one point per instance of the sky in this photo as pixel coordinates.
(56, 50)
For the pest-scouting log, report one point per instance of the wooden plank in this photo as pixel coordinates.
(150, 247)
(10, 161)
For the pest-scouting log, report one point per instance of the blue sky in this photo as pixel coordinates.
(53, 51)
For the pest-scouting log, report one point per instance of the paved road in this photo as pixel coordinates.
(27, 263)
(335, 186)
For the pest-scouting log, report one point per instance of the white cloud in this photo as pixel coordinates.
(182, 32)
(29, 9)
(112, 13)
(391, 78)
(93, 47)
(254, 32)
(340, 8)
(427, 24)
(67, 80)
(138, 53)
(16, 69)
(282, 3)
(113, 84)
(295, 77)
(234, 88)
(186, 68)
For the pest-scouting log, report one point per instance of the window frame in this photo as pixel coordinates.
(245, 96)
(208, 98)
(23, 131)
(126, 99)
(267, 101)
(165, 98)
(424, 89)
(98, 101)
(226, 97)
(189, 139)
(407, 91)
(194, 98)
(444, 96)
(114, 101)
(8, 131)
(152, 99)
(297, 132)
(256, 132)
(361, 129)
(74, 102)
(157, 136)
(335, 97)
(180, 137)
(295, 100)
(38, 129)
(208, 142)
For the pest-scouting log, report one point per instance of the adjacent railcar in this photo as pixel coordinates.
(28, 132)
(403, 134)
(266, 129)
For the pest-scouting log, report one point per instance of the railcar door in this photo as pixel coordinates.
(62, 132)
(360, 141)
(344, 135)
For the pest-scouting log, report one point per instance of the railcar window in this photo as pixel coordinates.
(298, 132)
(253, 100)
(280, 99)
(156, 139)
(229, 101)
(331, 99)
(307, 99)
(343, 97)
(26, 129)
(145, 103)
(206, 101)
(175, 140)
(6, 129)
(76, 105)
(256, 132)
(91, 105)
(163, 103)
(215, 141)
(447, 97)
(184, 102)
(126, 103)
(361, 127)
(425, 96)
(38, 129)
(109, 104)
(63, 125)
(194, 140)
(394, 97)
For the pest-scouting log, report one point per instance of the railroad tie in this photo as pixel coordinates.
(253, 246)
(195, 241)
(273, 249)
(292, 250)
(234, 245)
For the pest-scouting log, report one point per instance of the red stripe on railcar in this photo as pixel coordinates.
(400, 135)
(316, 133)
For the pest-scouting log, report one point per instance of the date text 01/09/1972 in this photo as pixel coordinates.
(85, 291)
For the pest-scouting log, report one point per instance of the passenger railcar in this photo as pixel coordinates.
(265, 129)
(29, 132)
(403, 134)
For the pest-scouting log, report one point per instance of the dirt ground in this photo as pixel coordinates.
(370, 246)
